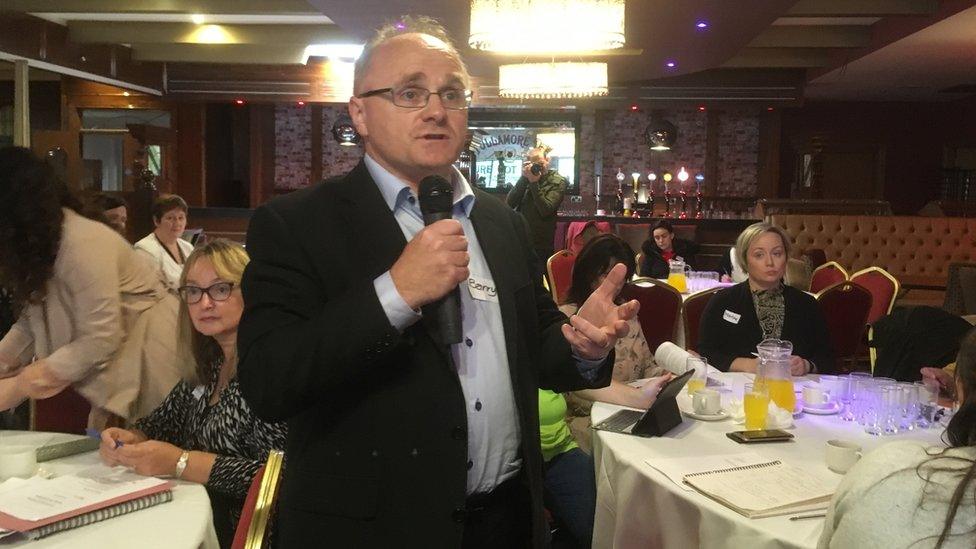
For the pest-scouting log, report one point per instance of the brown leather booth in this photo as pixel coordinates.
(915, 250)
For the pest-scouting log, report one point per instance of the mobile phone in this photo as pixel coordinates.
(768, 435)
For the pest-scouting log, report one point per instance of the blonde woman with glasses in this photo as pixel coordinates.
(204, 433)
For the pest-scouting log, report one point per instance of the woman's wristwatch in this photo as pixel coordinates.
(181, 464)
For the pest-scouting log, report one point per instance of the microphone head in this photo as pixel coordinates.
(436, 195)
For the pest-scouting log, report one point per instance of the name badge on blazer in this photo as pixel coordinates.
(482, 289)
(731, 317)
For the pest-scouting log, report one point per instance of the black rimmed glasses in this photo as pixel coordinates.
(217, 292)
(413, 97)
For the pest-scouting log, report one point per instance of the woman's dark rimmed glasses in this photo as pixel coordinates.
(217, 292)
(413, 97)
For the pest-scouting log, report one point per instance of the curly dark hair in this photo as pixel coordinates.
(595, 260)
(31, 198)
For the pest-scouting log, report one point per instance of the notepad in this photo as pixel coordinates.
(764, 489)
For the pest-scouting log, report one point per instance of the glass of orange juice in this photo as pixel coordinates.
(698, 380)
(755, 403)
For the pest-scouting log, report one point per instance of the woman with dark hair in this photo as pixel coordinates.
(92, 313)
(165, 244)
(661, 248)
(207, 433)
(570, 487)
(907, 494)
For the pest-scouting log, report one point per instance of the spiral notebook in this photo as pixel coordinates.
(764, 489)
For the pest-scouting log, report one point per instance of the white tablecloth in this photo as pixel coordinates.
(637, 506)
(185, 522)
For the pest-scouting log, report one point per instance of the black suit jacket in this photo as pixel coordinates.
(653, 263)
(377, 451)
(721, 340)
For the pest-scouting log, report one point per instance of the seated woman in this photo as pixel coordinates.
(165, 245)
(908, 494)
(661, 248)
(91, 312)
(204, 434)
(736, 319)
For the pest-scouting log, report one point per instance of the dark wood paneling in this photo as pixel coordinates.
(769, 149)
(191, 153)
(262, 139)
(316, 143)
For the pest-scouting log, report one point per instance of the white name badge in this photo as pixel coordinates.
(729, 316)
(482, 289)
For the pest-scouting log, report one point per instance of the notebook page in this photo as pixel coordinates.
(677, 468)
(762, 488)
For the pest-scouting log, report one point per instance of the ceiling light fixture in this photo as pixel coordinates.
(198, 18)
(660, 135)
(345, 133)
(569, 26)
(339, 52)
(552, 80)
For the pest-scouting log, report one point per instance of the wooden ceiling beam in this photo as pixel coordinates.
(862, 8)
(219, 53)
(786, 58)
(834, 36)
(207, 7)
(104, 32)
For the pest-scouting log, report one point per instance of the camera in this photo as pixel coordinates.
(536, 168)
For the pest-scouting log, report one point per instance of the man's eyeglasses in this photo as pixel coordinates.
(413, 97)
(217, 292)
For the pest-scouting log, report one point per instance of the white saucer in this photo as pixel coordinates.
(826, 410)
(707, 417)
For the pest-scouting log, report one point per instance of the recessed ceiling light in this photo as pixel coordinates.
(126, 94)
(701, 25)
(670, 64)
(339, 52)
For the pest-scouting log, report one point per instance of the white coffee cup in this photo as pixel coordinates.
(842, 455)
(815, 395)
(17, 461)
(706, 402)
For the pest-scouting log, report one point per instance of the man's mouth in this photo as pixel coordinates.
(434, 136)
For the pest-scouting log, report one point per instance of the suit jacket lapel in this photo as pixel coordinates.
(377, 235)
(497, 245)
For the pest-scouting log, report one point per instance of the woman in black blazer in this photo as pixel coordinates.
(661, 248)
(738, 318)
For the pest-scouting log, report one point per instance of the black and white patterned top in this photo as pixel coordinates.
(228, 429)
(771, 310)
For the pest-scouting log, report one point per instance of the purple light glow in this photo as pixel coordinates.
(670, 64)
(400, 25)
(702, 25)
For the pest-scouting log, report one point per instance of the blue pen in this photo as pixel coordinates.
(93, 433)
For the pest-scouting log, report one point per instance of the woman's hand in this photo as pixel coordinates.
(799, 366)
(944, 379)
(649, 391)
(114, 438)
(150, 458)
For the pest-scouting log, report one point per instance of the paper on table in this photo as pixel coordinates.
(39, 499)
(676, 468)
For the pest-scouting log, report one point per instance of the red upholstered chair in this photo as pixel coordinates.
(660, 306)
(65, 412)
(693, 307)
(560, 268)
(845, 305)
(252, 529)
(883, 287)
(828, 274)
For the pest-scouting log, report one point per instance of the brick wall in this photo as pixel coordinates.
(336, 160)
(293, 146)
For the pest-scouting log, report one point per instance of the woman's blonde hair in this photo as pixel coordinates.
(229, 260)
(750, 234)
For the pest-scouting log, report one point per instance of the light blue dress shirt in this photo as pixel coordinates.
(481, 358)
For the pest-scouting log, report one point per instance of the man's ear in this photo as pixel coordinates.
(357, 113)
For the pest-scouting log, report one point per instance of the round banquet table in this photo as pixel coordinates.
(638, 506)
(184, 522)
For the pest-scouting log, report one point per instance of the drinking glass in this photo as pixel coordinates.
(928, 400)
(910, 406)
(699, 379)
(755, 403)
(872, 415)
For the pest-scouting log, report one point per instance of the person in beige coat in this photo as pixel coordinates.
(93, 313)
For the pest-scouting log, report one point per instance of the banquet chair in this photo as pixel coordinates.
(845, 307)
(660, 307)
(828, 274)
(65, 412)
(692, 310)
(252, 529)
(960, 295)
(560, 270)
(883, 287)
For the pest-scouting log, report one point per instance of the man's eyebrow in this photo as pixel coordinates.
(412, 78)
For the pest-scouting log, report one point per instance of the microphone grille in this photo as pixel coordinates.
(436, 195)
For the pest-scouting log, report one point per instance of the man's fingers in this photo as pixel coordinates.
(613, 282)
(446, 227)
(628, 310)
(589, 331)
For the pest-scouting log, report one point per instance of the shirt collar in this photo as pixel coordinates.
(395, 191)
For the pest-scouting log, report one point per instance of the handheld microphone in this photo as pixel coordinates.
(436, 202)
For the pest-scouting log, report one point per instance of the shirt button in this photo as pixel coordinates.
(468, 342)
(411, 199)
(470, 464)
(477, 405)
(459, 515)
(458, 433)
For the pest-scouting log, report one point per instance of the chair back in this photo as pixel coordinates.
(883, 287)
(560, 269)
(845, 306)
(65, 412)
(828, 274)
(252, 529)
(660, 307)
(693, 307)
